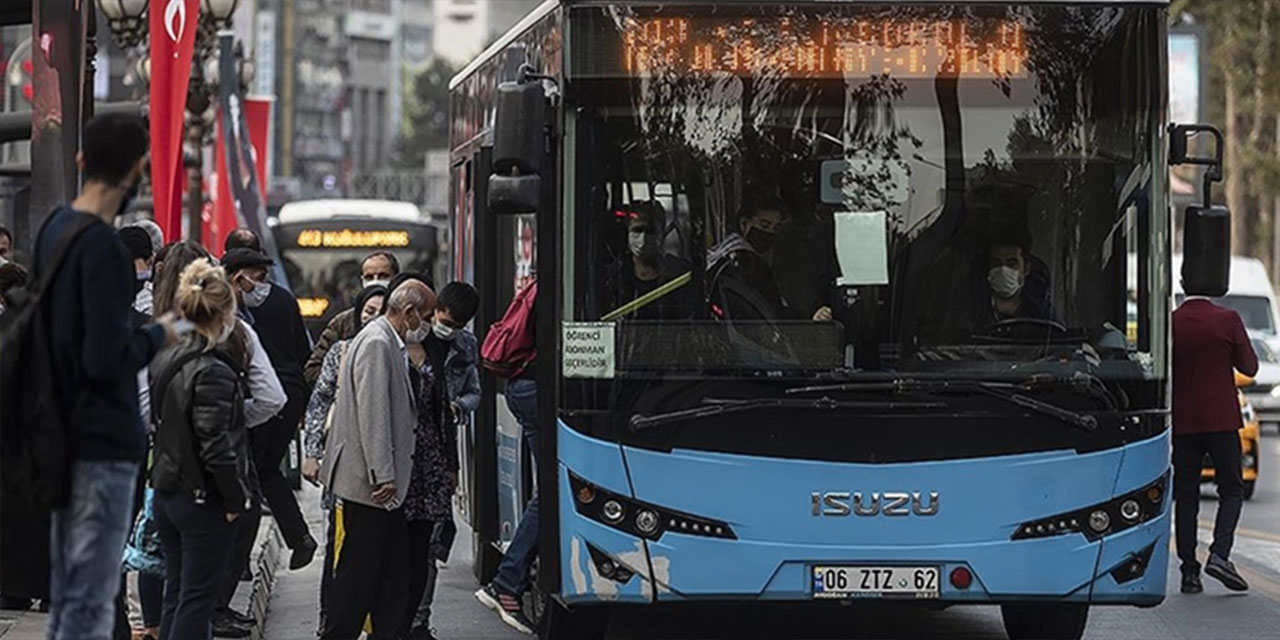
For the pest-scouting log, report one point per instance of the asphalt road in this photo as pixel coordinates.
(1216, 614)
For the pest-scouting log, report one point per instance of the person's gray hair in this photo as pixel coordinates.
(406, 296)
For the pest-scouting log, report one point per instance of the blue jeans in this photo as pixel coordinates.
(86, 542)
(513, 572)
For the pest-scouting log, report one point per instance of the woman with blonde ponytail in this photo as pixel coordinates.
(201, 471)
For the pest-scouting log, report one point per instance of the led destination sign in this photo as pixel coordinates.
(831, 47)
(345, 238)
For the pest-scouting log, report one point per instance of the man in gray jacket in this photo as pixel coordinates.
(367, 464)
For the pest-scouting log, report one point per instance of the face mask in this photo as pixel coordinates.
(381, 283)
(419, 333)
(144, 275)
(443, 331)
(258, 295)
(642, 244)
(227, 330)
(1006, 282)
(760, 239)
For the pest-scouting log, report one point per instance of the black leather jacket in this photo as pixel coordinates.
(201, 446)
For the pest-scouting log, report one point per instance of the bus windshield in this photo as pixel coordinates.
(859, 189)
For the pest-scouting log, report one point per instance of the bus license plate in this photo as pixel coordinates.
(875, 582)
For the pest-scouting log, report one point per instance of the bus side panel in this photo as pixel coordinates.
(581, 581)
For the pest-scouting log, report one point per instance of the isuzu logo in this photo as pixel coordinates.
(888, 503)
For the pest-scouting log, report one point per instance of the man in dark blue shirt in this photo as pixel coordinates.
(97, 353)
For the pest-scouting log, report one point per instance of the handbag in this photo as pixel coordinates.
(144, 552)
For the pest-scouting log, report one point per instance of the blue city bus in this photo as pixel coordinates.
(832, 302)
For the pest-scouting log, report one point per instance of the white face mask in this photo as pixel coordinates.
(227, 330)
(382, 283)
(1006, 282)
(257, 295)
(420, 333)
(442, 331)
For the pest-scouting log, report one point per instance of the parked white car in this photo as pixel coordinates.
(1264, 393)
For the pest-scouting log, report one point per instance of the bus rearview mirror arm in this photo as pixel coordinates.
(1206, 228)
(1180, 141)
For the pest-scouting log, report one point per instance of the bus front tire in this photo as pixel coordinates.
(1048, 621)
(581, 623)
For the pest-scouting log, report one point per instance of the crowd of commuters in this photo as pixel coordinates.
(191, 377)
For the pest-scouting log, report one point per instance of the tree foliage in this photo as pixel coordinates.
(1243, 98)
(426, 118)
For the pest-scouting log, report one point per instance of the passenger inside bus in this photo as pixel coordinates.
(648, 266)
(740, 277)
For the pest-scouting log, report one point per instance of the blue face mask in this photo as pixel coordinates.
(144, 275)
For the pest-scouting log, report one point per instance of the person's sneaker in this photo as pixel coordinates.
(1223, 571)
(303, 555)
(1191, 583)
(508, 607)
(226, 627)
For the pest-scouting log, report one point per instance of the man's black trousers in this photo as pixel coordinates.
(270, 442)
(371, 576)
(1189, 451)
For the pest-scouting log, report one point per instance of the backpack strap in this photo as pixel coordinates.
(60, 250)
(162, 382)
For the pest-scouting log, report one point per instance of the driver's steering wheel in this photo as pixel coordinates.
(1020, 328)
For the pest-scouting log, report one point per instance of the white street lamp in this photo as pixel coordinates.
(127, 19)
(220, 10)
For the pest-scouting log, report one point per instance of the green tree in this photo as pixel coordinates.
(426, 119)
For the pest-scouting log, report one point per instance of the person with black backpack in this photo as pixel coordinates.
(77, 395)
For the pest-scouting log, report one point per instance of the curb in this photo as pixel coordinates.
(264, 579)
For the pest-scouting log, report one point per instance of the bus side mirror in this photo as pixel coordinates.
(1206, 228)
(519, 146)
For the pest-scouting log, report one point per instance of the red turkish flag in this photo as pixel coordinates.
(173, 38)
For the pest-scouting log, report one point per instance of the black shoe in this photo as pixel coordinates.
(239, 618)
(1225, 572)
(225, 627)
(303, 554)
(422, 633)
(1191, 583)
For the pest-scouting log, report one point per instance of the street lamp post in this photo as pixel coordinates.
(128, 22)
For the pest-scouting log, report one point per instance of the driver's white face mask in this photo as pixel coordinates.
(1006, 282)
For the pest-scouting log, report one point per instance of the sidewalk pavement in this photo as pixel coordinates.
(294, 608)
(250, 597)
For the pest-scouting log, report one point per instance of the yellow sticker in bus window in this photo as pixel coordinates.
(317, 238)
(312, 307)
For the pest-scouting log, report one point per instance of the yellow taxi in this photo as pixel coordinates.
(1250, 435)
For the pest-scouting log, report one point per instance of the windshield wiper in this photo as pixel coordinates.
(722, 406)
(1001, 390)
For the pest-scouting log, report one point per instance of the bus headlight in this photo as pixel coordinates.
(1099, 521)
(1094, 522)
(1130, 510)
(612, 512)
(638, 518)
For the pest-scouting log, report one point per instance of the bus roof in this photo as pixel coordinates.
(550, 5)
(319, 210)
